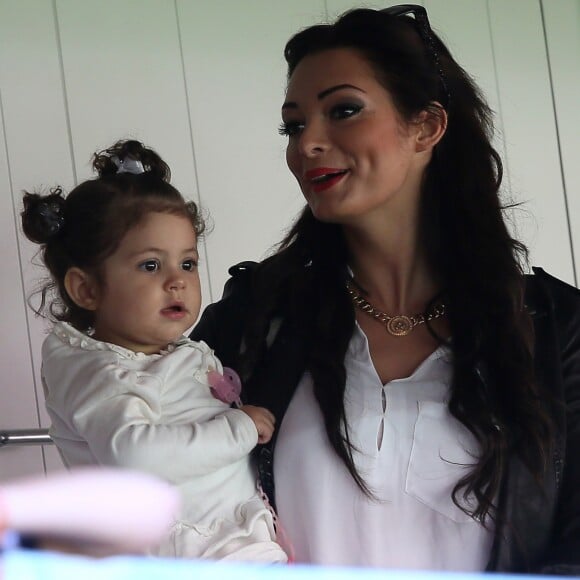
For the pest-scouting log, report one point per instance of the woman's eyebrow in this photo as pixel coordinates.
(335, 88)
(322, 94)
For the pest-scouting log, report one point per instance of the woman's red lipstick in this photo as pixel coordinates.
(323, 178)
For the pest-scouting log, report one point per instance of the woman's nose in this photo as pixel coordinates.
(313, 140)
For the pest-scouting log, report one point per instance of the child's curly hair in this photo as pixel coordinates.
(86, 227)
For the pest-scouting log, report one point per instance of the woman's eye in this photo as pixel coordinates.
(189, 265)
(149, 266)
(344, 110)
(290, 128)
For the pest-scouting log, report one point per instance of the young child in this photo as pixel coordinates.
(123, 386)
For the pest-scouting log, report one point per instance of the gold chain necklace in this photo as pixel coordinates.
(399, 325)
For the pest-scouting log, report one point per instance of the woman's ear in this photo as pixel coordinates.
(432, 124)
(82, 288)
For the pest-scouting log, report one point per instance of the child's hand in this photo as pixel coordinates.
(263, 419)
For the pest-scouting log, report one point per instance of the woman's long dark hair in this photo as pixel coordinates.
(468, 245)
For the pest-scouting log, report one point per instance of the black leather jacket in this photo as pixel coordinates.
(542, 529)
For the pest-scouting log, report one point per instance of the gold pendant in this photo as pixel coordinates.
(399, 325)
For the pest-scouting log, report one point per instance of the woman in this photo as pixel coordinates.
(428, 388)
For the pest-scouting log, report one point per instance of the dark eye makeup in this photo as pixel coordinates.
(289, 128)
(338, 112)
(344, 110)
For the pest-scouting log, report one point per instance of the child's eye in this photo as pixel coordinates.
(189, 265)
(290, 128)
(344, 111)
(149, 266)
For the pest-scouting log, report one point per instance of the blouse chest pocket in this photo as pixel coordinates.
(443, 452)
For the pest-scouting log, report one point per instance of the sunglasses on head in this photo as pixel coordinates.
(427, 36)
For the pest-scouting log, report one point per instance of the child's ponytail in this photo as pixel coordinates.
(43, 216)
(117, 160)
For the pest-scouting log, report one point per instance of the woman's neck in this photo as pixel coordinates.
(391, 266)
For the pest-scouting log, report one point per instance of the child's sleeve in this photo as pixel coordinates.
(118, 413)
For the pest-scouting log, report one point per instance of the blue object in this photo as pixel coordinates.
(37, 565)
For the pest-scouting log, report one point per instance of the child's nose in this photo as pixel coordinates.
(175, 282)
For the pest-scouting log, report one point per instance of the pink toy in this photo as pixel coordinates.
(120, 510)
(226, 387)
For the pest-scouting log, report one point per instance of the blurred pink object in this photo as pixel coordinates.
(124, 510)
(227, 387)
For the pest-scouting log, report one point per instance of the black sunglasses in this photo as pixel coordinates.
(425, 31)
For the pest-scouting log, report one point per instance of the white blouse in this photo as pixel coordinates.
(410, 451)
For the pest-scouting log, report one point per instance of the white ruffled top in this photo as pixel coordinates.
(112, 406)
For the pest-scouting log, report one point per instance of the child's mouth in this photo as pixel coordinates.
(175, 311)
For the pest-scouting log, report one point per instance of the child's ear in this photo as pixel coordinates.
(82, 288)
(432, 126)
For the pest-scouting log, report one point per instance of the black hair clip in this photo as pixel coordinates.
(52, 218)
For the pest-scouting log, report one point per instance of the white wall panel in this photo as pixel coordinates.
(337, 7)
(562, 21)
(530, 133)
(235, 73)
(38, 155)
(124, 78)
(465, 28)
(18, 408)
